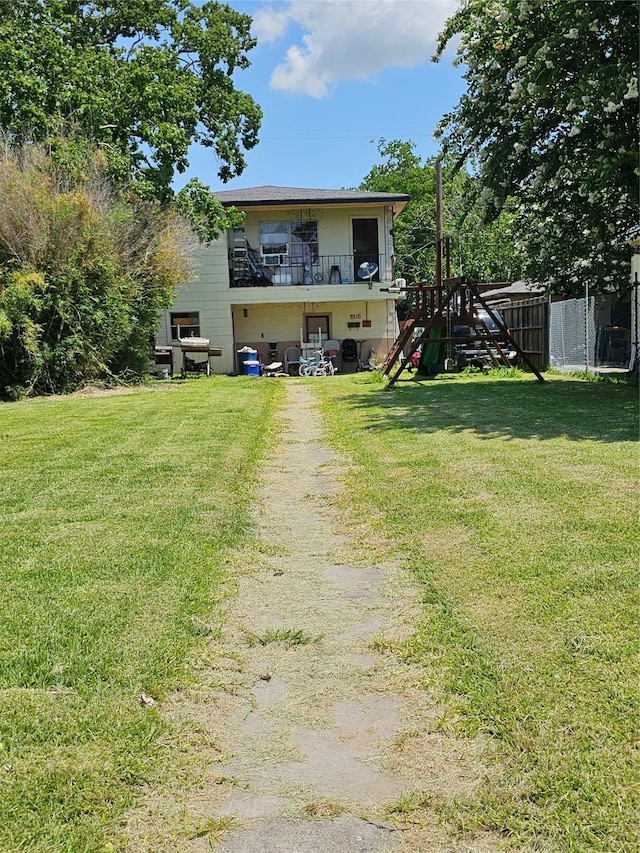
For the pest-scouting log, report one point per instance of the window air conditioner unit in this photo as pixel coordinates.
(271, 260)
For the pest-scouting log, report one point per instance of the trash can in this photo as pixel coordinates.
(246, 354)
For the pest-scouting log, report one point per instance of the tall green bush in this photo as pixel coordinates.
(83, 272)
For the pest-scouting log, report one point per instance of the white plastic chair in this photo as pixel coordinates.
(291, 357)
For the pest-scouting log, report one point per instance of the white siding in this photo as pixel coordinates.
(207, 293)
(278, 312)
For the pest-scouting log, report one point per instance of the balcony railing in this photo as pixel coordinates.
(326, 269)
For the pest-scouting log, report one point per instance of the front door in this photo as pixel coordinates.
(365, 245)
(316, 324)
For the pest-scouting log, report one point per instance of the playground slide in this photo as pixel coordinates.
(432, 358)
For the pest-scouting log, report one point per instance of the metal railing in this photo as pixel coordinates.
(326, 269)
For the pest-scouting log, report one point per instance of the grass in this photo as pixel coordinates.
(287, 637)
(516, 505)
(118, 513)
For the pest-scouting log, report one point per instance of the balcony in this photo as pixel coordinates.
(273, 270)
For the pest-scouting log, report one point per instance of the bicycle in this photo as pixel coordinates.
(316, 364)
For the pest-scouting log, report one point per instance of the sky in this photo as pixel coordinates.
(333, 77)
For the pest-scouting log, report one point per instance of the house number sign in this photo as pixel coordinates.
(355, 316)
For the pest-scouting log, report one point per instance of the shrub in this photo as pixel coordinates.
(84, 270)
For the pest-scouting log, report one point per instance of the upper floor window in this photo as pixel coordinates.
(304, 242)
(284, 242)
(274, 239)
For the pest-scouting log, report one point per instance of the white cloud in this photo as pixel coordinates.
(269, 24)
(350, 39)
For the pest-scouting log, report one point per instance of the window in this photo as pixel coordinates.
(304, 242)
(283, 242)
(185, 324)
(274, 241)
(315, 322)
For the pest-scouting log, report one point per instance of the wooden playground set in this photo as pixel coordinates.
(450, 304)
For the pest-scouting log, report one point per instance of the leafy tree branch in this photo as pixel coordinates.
(143, 78)
(551, 114)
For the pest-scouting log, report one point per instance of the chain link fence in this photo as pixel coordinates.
(572, 335)
(593, 334)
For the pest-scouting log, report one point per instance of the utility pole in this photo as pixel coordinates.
(438, 223)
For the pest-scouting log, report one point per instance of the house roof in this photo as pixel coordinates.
(515, 290)
(290, 196)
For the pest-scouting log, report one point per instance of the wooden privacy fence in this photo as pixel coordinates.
(528, 320)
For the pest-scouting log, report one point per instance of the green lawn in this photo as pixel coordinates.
(117, 512)
(516, 504)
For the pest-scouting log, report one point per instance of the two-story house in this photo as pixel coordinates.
(307, 264)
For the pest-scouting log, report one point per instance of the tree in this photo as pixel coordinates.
(142, 79)
(484, 252)
(551, 113)
(99, 105)
(83, 273)
(414, 230)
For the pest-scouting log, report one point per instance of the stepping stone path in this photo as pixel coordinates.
(317, 734)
